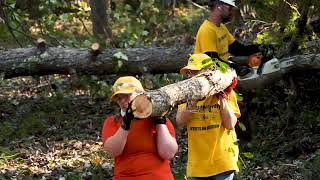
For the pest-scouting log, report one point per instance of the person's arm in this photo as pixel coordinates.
(114, 145)
(166, 144)
(184, 114)
(238, 49)
(229, 119)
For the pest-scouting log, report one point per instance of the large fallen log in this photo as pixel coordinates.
(160, 101)
(55, 60)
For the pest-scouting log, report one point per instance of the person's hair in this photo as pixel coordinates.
(213, 3)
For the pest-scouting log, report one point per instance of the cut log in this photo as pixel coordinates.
(159, 102)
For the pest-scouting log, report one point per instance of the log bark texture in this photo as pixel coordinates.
(161, 100)
(55, 60)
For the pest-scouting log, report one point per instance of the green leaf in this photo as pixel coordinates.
(248, 155)
(120, 55)
(145, 33)
(118, 59)
(242, 126)
(239, 97)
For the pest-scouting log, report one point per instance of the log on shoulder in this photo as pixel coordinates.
(158, 102)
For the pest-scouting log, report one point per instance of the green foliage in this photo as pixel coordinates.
(242, 126)
(6, 129)
(96, 89)
(117, 60)
(312, 168)
(32, 124)
(248, 155)
(68, 23)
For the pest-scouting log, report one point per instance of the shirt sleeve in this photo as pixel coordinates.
(206, 41)
(109, 128)
(182, 106)
(230, 37)
(233, 103)
(170, 128)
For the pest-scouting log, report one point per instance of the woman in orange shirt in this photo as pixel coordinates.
(141, 148)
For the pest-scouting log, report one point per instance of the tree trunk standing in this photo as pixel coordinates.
(166, 4)
(158, 102)
(237, 19)
(99, 18)
(283, 11)
(301, 26)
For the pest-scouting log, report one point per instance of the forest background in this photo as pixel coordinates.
(50, 125)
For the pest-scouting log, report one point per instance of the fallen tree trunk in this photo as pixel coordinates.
(160, 101)
(54, 60)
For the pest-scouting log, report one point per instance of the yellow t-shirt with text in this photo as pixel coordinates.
(212, 149)
(211, 38)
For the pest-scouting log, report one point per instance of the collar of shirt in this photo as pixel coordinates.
(122, 113)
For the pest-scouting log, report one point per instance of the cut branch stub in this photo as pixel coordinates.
(158, 102)
(41, 45)
(95, 51)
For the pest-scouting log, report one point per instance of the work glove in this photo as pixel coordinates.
(160, 120)
(233, 84)
(266, 49)
(126, 122)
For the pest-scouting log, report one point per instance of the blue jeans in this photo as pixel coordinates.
(223, 176)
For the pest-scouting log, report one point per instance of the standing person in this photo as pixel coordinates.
(214, 39)
(141, 148)
(212, 141)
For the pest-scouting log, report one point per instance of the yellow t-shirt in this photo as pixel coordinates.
(212, 149)
(211, 38)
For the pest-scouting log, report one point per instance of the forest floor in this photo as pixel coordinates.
(47, 135)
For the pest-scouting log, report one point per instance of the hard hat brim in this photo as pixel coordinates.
(185, 69)
(113, 97)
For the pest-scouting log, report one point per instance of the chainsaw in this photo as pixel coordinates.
(269, 64)
(270, 68)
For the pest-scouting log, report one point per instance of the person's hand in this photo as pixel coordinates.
(126, 122)
(222, 98)
(255, 60)
(228, 90)
(160, 120)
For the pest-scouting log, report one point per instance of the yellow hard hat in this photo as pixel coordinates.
(197, 62)
(126, 85)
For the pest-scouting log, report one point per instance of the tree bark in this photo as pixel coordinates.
(55, 60)
(158, 102)
(99, 18)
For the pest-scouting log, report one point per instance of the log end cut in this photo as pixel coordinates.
(142, 106)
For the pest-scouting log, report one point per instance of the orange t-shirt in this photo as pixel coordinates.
(139, 159)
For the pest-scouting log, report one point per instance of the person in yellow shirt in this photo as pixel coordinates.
(212, 140)
(214, 39)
